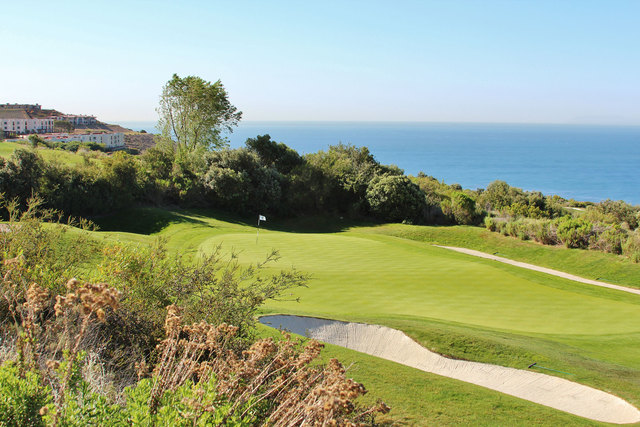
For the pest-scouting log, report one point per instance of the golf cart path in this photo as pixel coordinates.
(394, 345)
(541, 269)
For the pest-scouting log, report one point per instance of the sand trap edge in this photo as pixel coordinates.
(395, 345)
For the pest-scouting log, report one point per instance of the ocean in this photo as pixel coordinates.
(587, 163)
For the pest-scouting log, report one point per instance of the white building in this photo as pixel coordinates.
(110, 140)
(20, 122)
(77, 119)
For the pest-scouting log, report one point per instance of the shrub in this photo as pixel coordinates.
(614, 212)
(609, 239)
(396, 198)
(544, 232)
(22, 394)
(212, 287)
(496, 196)
(238, 181)
(463, 208)
(275, 154)
(524, 210)
(36, 140)
(631, 247)
(574, 233)
(490, 223)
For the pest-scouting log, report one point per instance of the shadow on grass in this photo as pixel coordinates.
(315, 224)
(148, 220)
(144, 220)
(301, 224)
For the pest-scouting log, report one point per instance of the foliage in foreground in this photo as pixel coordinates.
(61, 346)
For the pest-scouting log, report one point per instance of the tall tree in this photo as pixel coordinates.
(195, 113)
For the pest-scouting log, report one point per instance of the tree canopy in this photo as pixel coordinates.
(194, 113)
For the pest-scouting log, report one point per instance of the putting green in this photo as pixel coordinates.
(452, 303)
(364, 275)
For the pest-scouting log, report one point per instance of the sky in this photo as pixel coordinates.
(516, 61)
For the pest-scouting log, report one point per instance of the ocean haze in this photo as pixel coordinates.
(588, 163)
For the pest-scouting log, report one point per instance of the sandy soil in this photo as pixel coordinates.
(541, 269)
(394, 345)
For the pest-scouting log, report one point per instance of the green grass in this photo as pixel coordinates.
(60, 156)
(455, 304)
(421, 398)
(589, 264)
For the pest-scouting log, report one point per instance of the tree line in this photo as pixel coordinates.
(192, 166)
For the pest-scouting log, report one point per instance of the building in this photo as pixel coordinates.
(28, 107)
(77, 119)
(15, 121)
(110, 140)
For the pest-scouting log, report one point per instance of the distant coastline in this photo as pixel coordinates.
(583, 162)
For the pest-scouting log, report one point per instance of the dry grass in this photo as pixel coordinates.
(276, 379)
(273, 382)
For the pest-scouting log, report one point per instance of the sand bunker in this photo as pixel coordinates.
(394, 345)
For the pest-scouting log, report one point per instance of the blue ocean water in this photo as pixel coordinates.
(589, 163)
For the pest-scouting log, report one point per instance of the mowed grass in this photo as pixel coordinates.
(357, 275)
(589, 264)
(453, 303)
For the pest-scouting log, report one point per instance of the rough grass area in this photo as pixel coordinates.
(452, 303)
(589, 264)
(60, 156)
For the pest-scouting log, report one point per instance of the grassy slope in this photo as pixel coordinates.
(455, 304)
(61, 156)
(590, 264)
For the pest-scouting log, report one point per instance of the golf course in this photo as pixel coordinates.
(454, 304)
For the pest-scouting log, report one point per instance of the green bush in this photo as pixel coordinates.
(614, 212)
(574, 232)
(631, 247)
(609, 240)
(396, 198)
(544, 232)
(22, 395)
(213, 288)
(238, 181)
(463, 208)
(188, 405)
(490, 223)
(82, 407)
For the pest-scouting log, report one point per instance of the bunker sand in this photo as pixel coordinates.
(394, 345)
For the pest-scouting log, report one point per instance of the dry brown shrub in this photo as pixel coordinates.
(275, 381)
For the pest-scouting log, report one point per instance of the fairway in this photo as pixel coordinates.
(377, 275)
(452, 303)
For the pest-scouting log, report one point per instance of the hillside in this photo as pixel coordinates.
(101, 127)
(139, 141)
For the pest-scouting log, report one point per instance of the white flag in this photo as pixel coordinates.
(262, 218)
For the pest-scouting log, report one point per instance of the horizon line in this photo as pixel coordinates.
(410, 122)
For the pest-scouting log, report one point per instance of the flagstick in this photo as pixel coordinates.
(258, 232)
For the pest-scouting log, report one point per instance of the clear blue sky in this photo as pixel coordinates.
(437, 61)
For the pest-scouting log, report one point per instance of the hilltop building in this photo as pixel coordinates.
(110, 140)
(24, 119)
(28, 107)
(77, 120)
(31, 118)
(15, 121)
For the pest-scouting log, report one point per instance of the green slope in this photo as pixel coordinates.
(453, 303)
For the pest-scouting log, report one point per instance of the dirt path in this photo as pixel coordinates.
(541, 269)
(394, 345)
